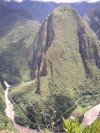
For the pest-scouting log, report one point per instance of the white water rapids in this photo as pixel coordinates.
(9, 106)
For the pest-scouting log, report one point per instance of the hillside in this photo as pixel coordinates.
(64, 63)
(17, 33)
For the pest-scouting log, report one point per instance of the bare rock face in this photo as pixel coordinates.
(89, 48)
(64, 46)
(42, 42)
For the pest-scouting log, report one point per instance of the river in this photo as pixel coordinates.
(10, 112)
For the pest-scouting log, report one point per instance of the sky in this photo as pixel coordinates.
(65, 1)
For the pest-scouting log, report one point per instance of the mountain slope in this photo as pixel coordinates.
(16, 34)
(64, 55)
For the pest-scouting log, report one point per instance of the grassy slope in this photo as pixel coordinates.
(67, 64)
(16, 36)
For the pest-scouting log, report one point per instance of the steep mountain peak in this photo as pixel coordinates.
(65, 8)
(63, 41)
(57, 42)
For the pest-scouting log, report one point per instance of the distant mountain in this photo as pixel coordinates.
(84, 7)
(40, 10)
(4, 10)
(93, 18)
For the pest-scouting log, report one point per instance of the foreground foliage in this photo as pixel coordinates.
(71, 126)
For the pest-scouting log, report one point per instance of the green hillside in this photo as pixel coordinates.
(17, 33)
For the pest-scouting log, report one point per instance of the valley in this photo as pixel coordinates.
(51, 60)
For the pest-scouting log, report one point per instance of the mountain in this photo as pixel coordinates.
(64, 62)
(84, 7)
(4, 10)
(40, 10)
(93, 18)
(17, 33)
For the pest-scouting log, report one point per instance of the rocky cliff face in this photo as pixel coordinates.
(41, 44)
(89, 48)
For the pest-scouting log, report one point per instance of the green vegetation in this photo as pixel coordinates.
(73, 126)
(62, 77)
(17, 34)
